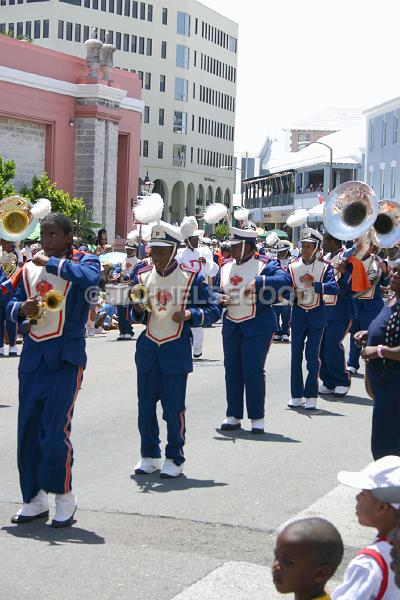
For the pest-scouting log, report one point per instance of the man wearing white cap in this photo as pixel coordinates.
(311, 277)
(369, 574)
(283, 310)
(250, 284)
(179, 299)
(200, 259)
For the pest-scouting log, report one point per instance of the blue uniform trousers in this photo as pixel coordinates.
(333, 372)
(361, 323)
(283, 314)
(46, 405)
(5, 324)
(304, 334)
(244, 360)
(124, 322)
(171, 391)
(385, 437)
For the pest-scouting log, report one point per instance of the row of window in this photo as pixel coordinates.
(212, 34)
(72, 32)
(384, 126)
(30, 29)
(216, 98)
(207, 158)
(13, 2)
(217, 67)
(216, 129)
(393, 177)
(128, 8)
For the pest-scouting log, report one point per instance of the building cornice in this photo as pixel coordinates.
(380, 109)
(75, 90)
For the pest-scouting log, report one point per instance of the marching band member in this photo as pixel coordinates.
(199, 258)
(10, 260)
(339, 314)
(311, 278)
(368, 305)
(179, 299)
(50, 369)
(283, 310)
(250, 284)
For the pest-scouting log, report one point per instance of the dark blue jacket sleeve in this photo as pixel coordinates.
(273, 276)
(85, 274)
(13, 306)
(328, 284)
(203, 304)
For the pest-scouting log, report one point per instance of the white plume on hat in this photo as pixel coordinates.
(215, 212)
(297, 218)
(41, 208)
(149, 208)
(241, 214)
(316, 211)
(133, 236)
(272, 239)
(189, 227)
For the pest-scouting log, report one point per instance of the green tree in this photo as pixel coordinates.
(221, 231)
(7, 174)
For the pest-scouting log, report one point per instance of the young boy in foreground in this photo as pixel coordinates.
(307, 554)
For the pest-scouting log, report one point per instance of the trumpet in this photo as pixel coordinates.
(52, 301)
(139, 296)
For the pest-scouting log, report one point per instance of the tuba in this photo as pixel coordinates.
(140, 296)
(19, 218)
(52, 301)
(386, 230)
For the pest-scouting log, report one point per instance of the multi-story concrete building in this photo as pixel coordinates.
(382, 158)
(185, 55)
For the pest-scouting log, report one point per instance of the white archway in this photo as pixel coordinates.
(190, 200)
(177, 202)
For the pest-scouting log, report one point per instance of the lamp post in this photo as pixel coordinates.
(147, 185)
(330, 163)
(147, 188)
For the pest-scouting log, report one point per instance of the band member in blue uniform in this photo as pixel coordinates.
(311, 277)
(10, 260)
(179, 299)
(250, 284)
(339, 314)
(283, 310)
(51, 365)
(368, 305)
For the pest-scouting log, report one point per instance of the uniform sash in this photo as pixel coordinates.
(234, 279)
(331, 300)
(37, 282)
(303, 277)
(167, 295)
(371, 267)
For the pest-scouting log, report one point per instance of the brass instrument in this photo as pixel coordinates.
(52, 301)
(386, 230)
(350, 210)
(14, 216)
(8, 262)
(139, 296)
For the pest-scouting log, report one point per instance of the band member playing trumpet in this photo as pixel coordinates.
(179, 299)
(339, 314)
(250, 284)
(312, 277)
(10, 260)
(53, 293)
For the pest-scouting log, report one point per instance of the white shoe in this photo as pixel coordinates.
(295, 402)
(230, 423)
(324, 390)
(38, 507)
(277, 338)
(170, 469)
(91, 332)
(13, 351)
(257, 426)
(121, 337)
(311, 404)
(2, 351)
(66, 505)
(285, 338)
(352, 370)
(100, 330)
(341, 390)
(128, 336)
(146, 466)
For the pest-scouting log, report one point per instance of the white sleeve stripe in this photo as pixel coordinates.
(60, 264)
(12, 312)
(202, 316)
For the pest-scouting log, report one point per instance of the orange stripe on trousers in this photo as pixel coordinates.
(68, 433)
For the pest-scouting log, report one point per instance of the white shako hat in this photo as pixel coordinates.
(237, 235)
(133, 239)
(165, 234)
(190, 228)
(310, 235)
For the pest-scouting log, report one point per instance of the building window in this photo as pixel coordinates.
(119, 7)
(371, 134)
(141, 45)
(161, 115)
(104, 5)
(150, 12)
(126, 42)
(179, 155)
(146, 114)
(149, 47)
(180, 122)
(303, 140)
(111, 6)
(134, 9)
(140, 75)
(11, 29)
(127, 8)
(147, 81)
(183, 24)
(36, 30)
(146, 148)
(28, 29)
(118, 40)
(74, 2)
(384, 127)
(164, 16)
(371, 176)
(232, 44)
(393, 179)
(133, 43)
(163, 49)
(85, 33)
(20, 29)
(382, 182)
(77, 32)
(160, 151)
(182, 57)
(68, 31)
(181, 89)
(102, 35)
(143, 11)
(395, 127)
(162, 83)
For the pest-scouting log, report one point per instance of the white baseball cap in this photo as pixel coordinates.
(381, 477)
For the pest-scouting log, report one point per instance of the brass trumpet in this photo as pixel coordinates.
(139, 296)
(52, 301)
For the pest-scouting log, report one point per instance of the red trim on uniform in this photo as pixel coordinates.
(382, 563)
(67, 433)
(344, 353)
(182, 431)
(254, 305)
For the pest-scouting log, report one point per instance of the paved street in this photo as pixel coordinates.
(210, 533)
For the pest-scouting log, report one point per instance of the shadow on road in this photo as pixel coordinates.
(5, 405)
(153, 483)
(361, 401)
(55, 537)
(318, 412)
(242, 434)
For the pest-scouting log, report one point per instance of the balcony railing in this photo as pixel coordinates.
(285, 199)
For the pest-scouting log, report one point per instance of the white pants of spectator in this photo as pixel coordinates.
(198, 337)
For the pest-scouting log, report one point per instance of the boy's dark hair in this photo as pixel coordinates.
(324, 541)
(332, 238)
(63, 222)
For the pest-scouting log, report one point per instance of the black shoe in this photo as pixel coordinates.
(13, 354)
(66, 523)
(257, 431)
(198, 355)
(20, 519)
(227, 427)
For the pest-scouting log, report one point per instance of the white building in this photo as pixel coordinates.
(186, 57)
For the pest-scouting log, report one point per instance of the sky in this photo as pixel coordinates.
(297, 57)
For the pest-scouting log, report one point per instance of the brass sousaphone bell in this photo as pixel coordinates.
(19, 217)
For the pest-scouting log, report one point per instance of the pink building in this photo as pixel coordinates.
(85, 133)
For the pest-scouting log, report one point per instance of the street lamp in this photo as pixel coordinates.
(147, 185)
(330, 163)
